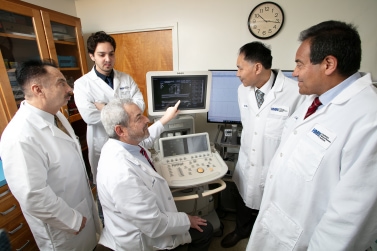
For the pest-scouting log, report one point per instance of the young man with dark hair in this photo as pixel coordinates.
(96, 88)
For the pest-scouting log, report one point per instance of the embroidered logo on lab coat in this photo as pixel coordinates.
(322, 136)
(124, 92)
(280, 110)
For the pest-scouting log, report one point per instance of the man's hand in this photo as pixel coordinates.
(83, 222)
(196, 222)
(170, 113)
(99, 105)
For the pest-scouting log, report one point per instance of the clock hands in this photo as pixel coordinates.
(262, 18)
(268, 21)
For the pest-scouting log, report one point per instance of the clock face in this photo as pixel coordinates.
(265, 20)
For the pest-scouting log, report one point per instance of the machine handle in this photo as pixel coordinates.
(204, 194)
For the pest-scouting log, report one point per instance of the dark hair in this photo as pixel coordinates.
(257, 52)
(32, 69)
(338, 39)
(99, 37)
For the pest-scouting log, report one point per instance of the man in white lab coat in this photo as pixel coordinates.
(262, 128)
(96, 88)
(321, 192)
(43, 165)
(138, 206)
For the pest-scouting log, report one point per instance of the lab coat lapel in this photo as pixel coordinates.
(67, 126)
(146, 168)
(116, 81)
(103, 85)
(267, 100)
(343, 97)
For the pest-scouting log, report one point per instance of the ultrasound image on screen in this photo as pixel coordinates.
(191, 90)
(178, 146)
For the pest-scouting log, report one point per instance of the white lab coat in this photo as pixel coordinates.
(138, 206)
(46, 173)
(261, 134)
(89, 89)
(321, 192)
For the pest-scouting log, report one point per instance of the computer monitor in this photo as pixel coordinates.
(288, 74)
(165, 88)
(223, 106)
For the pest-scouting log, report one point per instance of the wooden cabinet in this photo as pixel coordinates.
(12, 220)
(32, 32)
(28, 31)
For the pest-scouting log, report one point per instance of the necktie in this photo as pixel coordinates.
(60, 125)
(144, 153)
(109, 81)
(313, 107)
(260, 97)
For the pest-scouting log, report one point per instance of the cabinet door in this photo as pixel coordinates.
(21, 38)
(66, 47)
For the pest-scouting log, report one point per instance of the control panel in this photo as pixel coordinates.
(187, 160)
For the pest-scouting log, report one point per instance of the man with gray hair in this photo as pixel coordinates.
(138, 206)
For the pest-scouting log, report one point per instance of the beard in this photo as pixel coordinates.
(138, 136)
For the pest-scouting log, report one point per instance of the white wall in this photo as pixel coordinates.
(210, 32)
(64, 6)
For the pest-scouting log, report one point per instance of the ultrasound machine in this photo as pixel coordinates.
(192, 168)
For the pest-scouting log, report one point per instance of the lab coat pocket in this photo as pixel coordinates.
(274, 126)
(280, 227)
(83, 209)
(309, 152)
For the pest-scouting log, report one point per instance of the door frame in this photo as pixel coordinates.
(142, 28)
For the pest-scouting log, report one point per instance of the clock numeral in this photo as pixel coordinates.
(266, 20)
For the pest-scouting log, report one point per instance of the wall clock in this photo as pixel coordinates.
(266, 20)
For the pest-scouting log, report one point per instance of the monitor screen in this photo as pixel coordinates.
(223, 107)
(288, 74)
(165, 88)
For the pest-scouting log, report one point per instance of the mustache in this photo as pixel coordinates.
(69, 94)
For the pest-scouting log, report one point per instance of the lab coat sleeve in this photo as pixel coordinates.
(85, 103)
(131, 194)
(350, 220)
(27, 179)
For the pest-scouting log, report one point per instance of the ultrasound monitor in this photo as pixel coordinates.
(165, 88)
(288, 74)
(223, 107)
